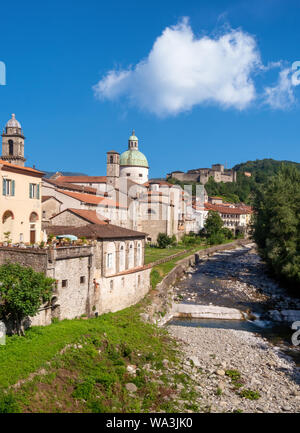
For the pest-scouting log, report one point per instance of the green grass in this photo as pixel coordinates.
(158, 272)
(152, 253)
(249, 394)
(90, 376)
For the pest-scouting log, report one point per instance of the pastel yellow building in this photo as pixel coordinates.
(20, 190)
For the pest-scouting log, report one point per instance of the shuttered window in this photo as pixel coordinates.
(8, 187)
(34, 190)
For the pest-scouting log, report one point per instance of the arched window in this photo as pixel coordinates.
(8, 222)
(8, 215)
(139, 254)
(111, 159)
(111, 258)
(33, 217)
(122, 257)
(10, 147)
(131, 255)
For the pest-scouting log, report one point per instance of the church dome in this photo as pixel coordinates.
(13, 123)
(133, 158)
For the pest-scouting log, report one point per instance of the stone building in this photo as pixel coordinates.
(235, 217)
(151, 206)
(106, 275)
(202, 175)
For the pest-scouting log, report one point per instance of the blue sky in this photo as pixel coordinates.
(56, 52)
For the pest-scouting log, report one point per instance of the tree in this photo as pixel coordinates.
(276, 227)
(163, 240)
(22, 292)
(213, 223)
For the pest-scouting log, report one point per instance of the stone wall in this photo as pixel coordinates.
(35, 258)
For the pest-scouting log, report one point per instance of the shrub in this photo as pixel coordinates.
(163, 240)
(84, 389)
(251, 395)
(8, 403)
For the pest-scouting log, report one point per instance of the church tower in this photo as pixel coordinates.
(13, 142)
(113, 168)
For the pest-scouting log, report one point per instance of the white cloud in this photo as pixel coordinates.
(182, 71)
(281, 96)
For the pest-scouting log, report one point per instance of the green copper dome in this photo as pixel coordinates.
(133, 158)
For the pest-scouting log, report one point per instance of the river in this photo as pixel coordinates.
(239, 279)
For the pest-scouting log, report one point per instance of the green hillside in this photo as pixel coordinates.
(243, 189)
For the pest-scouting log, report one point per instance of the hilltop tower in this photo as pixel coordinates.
(13, 142)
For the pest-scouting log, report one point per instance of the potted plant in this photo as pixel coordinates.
(7, 241)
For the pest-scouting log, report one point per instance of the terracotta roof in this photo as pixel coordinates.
(96, 231)
(89, 215)
(87, 189)
(29, 169)
(158, 182)
(226, 210)
(47, 197)
(80, 179)
(93, 199)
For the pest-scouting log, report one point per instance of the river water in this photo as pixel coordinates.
(238, 279)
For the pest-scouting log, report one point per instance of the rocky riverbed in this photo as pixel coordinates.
(238, 370)
(232, 367)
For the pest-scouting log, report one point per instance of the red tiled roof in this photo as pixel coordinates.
(81, 179)
(47, 197)
(29, 169)
(93, 199)
(67, 185)
(227, 210)
(96, 231)
(89, 215)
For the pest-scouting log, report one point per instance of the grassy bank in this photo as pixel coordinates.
(153, 254)
(92, 373)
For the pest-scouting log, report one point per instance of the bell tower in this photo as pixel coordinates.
(13, 142)
(113, 168)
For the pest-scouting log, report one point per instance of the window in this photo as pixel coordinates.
(111, 159)
(64, 283)
(140, 175)
(8, 187)
(44, 214)
(10, 147)
(111, 284)
(82, 280)
(109, 260)
(127, 174)
(34, 190)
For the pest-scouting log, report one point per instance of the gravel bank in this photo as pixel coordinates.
(263, 368)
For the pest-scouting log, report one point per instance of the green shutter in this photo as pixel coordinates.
(12, 187)
(30, 190)
(4, 186)
(38, 191)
